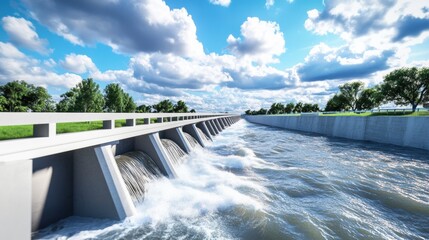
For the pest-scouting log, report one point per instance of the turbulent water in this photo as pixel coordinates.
(256, 182)
(194, 143)
(137, 170)
(174, 151)
(203, 135)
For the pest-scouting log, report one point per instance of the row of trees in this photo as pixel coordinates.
(19, 96)
(279, 108)
(405, 86)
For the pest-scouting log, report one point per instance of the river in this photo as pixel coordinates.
(258, 182)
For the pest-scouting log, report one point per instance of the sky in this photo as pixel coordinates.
(216, 55)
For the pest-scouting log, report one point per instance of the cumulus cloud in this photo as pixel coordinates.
(384, 21)
(326, 63)
(15, 65)
(262, 41)
(78, 64)
(223, 3)
(126, 26)
(270, 3)
(22, 33)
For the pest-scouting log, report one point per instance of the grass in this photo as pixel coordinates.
(11, 132)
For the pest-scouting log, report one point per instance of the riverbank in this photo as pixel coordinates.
(401, 131)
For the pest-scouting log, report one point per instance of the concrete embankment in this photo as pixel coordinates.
(401, 131)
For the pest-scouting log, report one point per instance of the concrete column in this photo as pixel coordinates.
(15, 200)
(221, 123)
(192, 130)
(226, 121)
(45, 130)
(151, 144)
(130, 122)
(219, 127)
(205, 129)
(99, 190)
(213, 127)
(177, 136)
(109, 124)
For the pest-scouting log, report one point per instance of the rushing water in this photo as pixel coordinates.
(256, 182)
(137, 170)
(194, 143)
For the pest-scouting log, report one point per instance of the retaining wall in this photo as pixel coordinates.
(401, 131)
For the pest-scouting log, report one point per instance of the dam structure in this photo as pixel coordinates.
(50, 176)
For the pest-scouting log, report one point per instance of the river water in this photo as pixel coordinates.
(257, 182)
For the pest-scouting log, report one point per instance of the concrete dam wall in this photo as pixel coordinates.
(401, 131)
(50, 176)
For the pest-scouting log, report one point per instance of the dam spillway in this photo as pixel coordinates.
(50, 176)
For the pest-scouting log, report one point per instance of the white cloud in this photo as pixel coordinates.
(262, 41)
(270, 3)
(14, 65)
(22, 33)
(126, 26)
(223, 3)
(78, 64)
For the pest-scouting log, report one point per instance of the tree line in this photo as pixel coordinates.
(279, 108)
(405, 86)
(86, 96)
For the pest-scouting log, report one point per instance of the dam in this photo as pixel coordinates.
(50, 176)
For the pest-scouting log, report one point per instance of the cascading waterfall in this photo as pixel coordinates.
(137, 169)
(174, 151)
(203, 135)
(191, 140)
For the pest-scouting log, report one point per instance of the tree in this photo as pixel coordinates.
(369, 99)
(336, 103)
(407, 86)
(192, 111)
(113, 98)
(298, 107)
(351, 92)
(129, 104)
(19, 96)
(308, 107)
(85, 97)
(180, 107)
(276, 108)
(289, 108)
(144, 109)
(3, 103)
(247, 112)
(165, 106)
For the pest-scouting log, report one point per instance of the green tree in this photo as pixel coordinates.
(144, 109)
(85, 97)
(351, 92)
(129, 104)
(298, 107)
(19, 96)
(276, 108)
(180, 107)
(192, 111)
(247, 112)
(337, 103)
(3, 103)
(307, 107)
(369, 98)
(407, 86)
(289, 108)
(114, 98)
(165, 106)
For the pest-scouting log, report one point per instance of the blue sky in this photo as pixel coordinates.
(216, 55)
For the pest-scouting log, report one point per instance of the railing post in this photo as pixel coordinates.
(108, 124)
(146, 121)
(159, 120)
(130, 122)
(44, 130)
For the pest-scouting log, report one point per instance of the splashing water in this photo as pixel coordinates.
(194, 143)
(257, 182)
(203, 135)
(175, 153)
(137, 169)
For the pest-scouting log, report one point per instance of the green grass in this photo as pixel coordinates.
(11, 132)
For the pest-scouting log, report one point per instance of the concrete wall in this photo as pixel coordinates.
(52, 189)
(401, 131)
